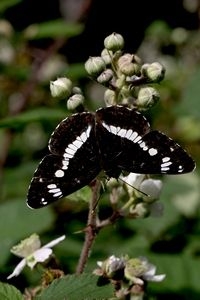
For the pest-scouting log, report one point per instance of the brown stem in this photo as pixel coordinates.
(91, 228)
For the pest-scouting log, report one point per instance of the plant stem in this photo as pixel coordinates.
(91, 228)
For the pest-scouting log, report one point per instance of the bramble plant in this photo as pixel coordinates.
(130, 83)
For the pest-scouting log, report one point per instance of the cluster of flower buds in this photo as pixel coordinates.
(63, 88)
(126, 78)
(130, 274)
(142, 193)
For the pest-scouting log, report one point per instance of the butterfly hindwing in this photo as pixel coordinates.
(73, 164)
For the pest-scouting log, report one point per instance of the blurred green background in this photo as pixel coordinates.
(40, 43)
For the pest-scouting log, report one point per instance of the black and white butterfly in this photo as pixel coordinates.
(113, 139)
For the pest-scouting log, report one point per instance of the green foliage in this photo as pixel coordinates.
(28, 221)
(9, 292)
(5, 4)
(171, 242)
(73, 287)
(53, 29)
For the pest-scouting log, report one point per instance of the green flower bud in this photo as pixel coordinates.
(114, 42)
(155, 72)
(126, 65)
(95, 65)
(76, 90)
(61, 87)
(110, 97)
(147, 97)
(74, 101)
(105, 76)
(140, 210)
(107, 56)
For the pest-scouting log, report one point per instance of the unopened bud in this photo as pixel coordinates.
(61, 87)
(107, 56)
(147, 97)
(140, 210)
(151, 187)
(126, 65)
(155, 72)
(114, 42)
(95, 65)
(110, 97)
(74, 101)
(105, 76)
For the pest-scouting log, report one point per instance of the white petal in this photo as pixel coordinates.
(18, 269)
(156, 278)
(54, 242)
(38, 256)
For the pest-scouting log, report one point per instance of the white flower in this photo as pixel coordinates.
(150, 187)
(149, 274)
(139, 270)
(32, 252)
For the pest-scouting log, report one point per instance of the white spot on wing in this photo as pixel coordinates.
(59, 173)
(133, 136)
(153, 151)
(77, 143)
(51, 186)
(54, 190)
(165, 159)
(57, 194)
(128, 133)
(122, 132)
(113, 129)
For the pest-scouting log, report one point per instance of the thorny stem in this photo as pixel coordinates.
(91, 228)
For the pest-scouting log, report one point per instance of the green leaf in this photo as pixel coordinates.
(9, 292)
(190, 104)
(5, 4)
(53, 29)
(20, 222)
(73, 287)
(39, 114)
(182, 272)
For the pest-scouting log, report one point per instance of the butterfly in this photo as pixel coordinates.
(113, 139)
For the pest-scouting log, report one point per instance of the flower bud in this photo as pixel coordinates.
(140, 210)
(76, 90)
(147, 97)
(112, 267)
(107, 56)
(95, 65)
(155, 72)
(126, 65)
(6, 28)
(74, 101)
(105, 76)
(110, 97)
(61, 87)
(114, 42)
(151, 187)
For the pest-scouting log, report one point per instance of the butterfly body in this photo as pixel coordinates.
(114, 139)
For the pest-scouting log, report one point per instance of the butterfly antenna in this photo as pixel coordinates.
(134, 187)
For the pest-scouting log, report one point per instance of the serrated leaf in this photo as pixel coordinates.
(32, 116)
(53, 29)
(9, 292)
(75, 287)
(5, 4)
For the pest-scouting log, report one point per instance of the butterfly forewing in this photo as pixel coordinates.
(73, 164)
